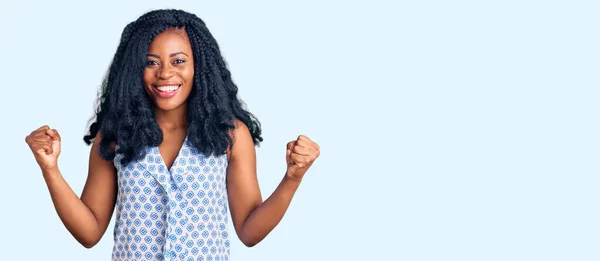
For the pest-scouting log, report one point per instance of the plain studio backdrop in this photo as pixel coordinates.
(449, 130)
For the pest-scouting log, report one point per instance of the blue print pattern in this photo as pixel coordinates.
(175, 214)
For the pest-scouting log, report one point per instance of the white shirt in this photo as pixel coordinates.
(175, 214)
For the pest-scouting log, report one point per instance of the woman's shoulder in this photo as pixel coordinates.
(98, 139)
(239, 132)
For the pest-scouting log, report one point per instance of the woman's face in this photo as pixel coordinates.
(169, 72)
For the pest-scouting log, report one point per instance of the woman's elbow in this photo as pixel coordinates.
(249, 241)
(88, 246)
(88, 242)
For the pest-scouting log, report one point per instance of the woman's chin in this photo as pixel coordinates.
(167, 105)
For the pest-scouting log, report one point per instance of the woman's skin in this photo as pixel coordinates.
(170, 65)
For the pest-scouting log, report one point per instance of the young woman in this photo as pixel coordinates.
(172, 151)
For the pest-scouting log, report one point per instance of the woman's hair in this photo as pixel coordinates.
(125, 115)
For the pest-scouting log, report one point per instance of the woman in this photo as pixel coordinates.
(172, 151)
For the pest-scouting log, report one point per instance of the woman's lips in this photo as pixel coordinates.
(166, 91)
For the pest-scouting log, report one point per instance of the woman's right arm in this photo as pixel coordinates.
(86, 218)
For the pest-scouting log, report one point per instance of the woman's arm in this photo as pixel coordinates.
(252, 218)
(86, 218)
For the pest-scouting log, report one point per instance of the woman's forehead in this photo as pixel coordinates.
(171, 39)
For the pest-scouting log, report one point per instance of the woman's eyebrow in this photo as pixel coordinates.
(173, 54)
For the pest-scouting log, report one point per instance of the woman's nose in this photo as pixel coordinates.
(165, 72)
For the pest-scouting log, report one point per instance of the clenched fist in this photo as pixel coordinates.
(45, 145)
(300, 155)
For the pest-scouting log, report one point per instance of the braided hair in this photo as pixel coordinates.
(125, 115)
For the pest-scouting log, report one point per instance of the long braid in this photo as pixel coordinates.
(110, 76)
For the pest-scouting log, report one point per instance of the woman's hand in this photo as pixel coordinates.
(45, 145)
(300, 155)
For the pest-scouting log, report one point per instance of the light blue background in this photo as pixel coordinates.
(450, 130)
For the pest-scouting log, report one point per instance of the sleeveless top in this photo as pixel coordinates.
(179, 213)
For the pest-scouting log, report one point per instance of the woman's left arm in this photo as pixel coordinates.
(252, 218)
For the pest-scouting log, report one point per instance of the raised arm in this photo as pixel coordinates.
(86, 218)
(252, 218)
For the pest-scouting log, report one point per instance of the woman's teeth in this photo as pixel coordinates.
(167, 88)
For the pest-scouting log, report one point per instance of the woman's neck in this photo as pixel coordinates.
(172, 120)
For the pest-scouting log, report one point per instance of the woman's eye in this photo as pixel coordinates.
(148, 63)
(179, 61)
